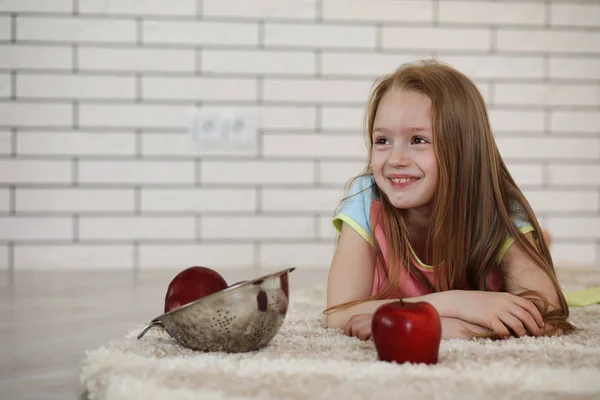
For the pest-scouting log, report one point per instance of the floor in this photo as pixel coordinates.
(49, 319)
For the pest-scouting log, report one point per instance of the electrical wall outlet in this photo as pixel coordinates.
(222, 128)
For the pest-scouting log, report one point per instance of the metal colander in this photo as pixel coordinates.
(243, 317)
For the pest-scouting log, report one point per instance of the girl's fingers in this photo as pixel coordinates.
(356, 327)
(356, 323)
(348, 327)
(364, 333)
(512, 322)
(528, 306)
(527, 319)
(361, 330)
(350, 324)
(498, 327)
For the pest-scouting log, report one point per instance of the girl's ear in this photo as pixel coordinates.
(547, 237)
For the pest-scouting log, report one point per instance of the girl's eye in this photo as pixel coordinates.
(419, 140)
(381, 140)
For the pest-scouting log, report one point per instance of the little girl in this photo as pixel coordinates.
(437, 217)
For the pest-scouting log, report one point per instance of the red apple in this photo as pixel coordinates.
(192, 284)
(407, 332)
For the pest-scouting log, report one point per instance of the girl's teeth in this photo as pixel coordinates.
(403, 180)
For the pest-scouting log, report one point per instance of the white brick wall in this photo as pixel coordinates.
(310, 145)
(267, 9)
(258, 228)
(436, 38)
(136, 172)
(76, 143)
(361, 11)
(575, 174)
(222, 200)
(276, 256)
(367, 64)
(547, 41)
(496, 66)
(75, 30)
(334, 173)
(199, 89)
(97, 169)
(23, 171)
(564, 201)
(72, 256)
(137, 8)
(5, 143)
(59, 6)
(132, 59)
(258, 62)
(199, 33)
(516, 121)
(312, 90)
(16, 57)
(492, 13)
(549, 148)
(319, 36)
(5, 85)
(580, 15)
(300, 200)
(18, 114)
(181, 145)
(5, 28)
(136, 228)
(345, 119)
(257, 172)
(576, 68)
(4, 262)
(71, 200)
(133, 116)
(292, 117)
(4, 201)
(75, 86)
(36, 228)
(546, 94)
(213, 255)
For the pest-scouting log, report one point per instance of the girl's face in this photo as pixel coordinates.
(403, 159)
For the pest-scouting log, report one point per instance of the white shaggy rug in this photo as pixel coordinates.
(307, 361)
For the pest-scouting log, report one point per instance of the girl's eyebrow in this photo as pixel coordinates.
(410, 129)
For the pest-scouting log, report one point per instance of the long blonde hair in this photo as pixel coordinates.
(476, 197)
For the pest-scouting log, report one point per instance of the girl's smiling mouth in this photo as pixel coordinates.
(399, 182)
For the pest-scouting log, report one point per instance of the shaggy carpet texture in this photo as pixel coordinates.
(307, 361)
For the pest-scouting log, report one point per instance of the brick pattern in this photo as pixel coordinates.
(97, 169)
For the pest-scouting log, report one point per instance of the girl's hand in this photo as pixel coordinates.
(503, 313)
(359, 325)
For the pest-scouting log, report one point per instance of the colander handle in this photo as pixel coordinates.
(155, 322)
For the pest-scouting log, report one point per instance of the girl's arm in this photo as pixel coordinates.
(478, 311)
(452, 328)
(521, 273)
(351, 278)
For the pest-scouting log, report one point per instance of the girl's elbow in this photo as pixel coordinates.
(335, 321)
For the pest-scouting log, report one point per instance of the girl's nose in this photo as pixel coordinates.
(399, 156)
